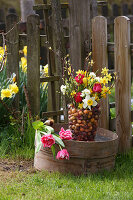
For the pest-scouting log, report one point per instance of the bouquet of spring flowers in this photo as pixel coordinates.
(84, 90)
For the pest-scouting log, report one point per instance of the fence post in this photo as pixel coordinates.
(59, 47)
(100, 57)
(80, 30)
(12, 37)
(123, 83)
(33, 63)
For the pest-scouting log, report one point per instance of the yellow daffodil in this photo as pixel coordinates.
(105, 90)
(1, 53)
(85, 81)
(1, 50)
(14, 88)
(104, 80)
(115, 75)
(69, 70)
(6, 93)
(24, 64)
(46, 70)
(109, 77)
(14, 79)
(80, 106)
(104, 71)
(90, 53)
(25, 50)
(80, 72)
(73, 93)
(92, 63)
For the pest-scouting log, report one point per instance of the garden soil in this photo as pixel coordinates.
(7, 165)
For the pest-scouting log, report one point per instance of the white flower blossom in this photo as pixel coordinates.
(97, 79)
(63, 89)
(92, 74)
(85, 92)
(88, 102)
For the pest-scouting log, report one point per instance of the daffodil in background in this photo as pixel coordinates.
(14, 88)
(6, 93)
(44, 73)
(25, 51)
(24, 64)
(2, 53)
(11, 88)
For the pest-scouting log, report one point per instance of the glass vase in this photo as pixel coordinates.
(83, 123)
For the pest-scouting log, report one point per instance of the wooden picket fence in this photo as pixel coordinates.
(122, 63)
(100, 46)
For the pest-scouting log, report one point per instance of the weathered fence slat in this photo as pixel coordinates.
(33, 62)
(43, 38)
(52, 113)
(100, 57)
(48, 6)
(50, 78)
(123, 83)
(58, 46)
(12, 41)
(79, 31)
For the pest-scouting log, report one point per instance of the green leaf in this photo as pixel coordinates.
(37, 124)
(38, 142)
(49, 129)
(53, 150)
(58, 140)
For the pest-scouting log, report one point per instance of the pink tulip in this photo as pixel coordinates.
(65, 135)
(63, 154)
(97, 87)
(47, 140)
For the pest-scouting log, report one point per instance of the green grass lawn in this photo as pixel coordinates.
(114, 185)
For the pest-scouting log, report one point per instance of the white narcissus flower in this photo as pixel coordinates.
(85, 92)
(92, 74)
(63, 89)
(88, 102)
(97, 79)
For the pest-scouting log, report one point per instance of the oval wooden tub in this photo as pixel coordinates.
(85, 157)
